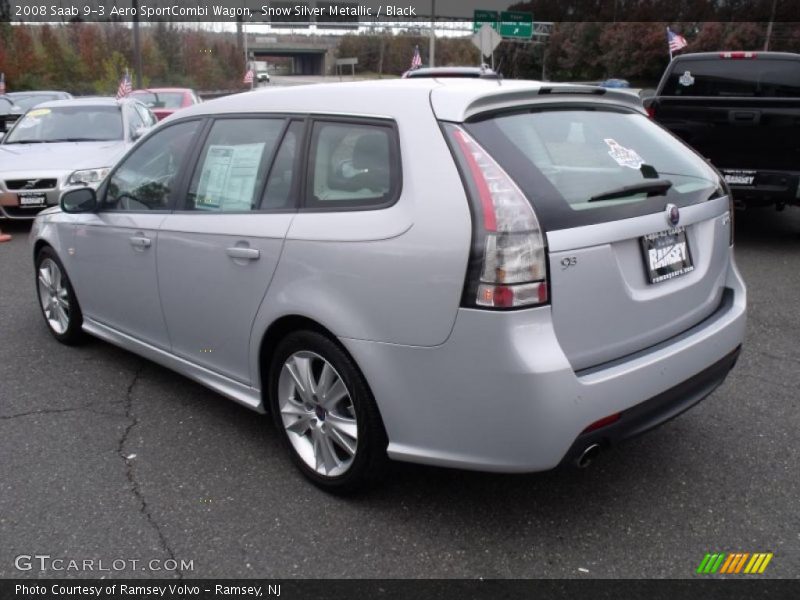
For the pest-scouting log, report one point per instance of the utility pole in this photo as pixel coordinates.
(432, 41)
(137, 45)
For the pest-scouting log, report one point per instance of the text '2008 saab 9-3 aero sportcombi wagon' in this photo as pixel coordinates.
(502, 276)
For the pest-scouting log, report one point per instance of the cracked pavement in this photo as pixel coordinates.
(107, 456)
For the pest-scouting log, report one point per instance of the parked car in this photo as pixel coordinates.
(165, 101)
(61, 144)
(29, 99)
(9, 113)
(482, 72)
(740, 110)
(502, 277)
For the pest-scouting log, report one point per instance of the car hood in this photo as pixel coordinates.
(62, 155)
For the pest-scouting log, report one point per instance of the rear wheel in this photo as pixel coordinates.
(57, 299)
(325, 413)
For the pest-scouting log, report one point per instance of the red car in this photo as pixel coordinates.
(165, 101)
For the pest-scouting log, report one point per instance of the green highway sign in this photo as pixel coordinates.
(492, 17)
(518, 25)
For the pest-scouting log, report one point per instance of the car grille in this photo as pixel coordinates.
(30, 184)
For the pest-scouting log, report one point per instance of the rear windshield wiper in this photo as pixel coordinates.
(658, 187)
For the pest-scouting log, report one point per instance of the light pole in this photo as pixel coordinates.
(137, 46)
(432, 41)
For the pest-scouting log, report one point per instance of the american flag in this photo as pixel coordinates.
(248, 77)
(675, 41)
(124, 86)
(416, 60)
(2, 83)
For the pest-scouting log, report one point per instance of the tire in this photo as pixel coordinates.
(325, 413)
(57, 301)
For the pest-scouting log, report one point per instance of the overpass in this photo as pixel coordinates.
(311, 55)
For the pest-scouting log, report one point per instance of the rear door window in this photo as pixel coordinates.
(565, 159)
(352, 165)
(731, 78)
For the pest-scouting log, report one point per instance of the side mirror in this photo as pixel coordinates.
(80, 200)
(138, 132)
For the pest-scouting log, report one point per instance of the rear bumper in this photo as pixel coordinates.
(656, 411)
(769, 187)
(500, 394)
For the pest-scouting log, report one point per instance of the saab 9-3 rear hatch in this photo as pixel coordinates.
(637, 225)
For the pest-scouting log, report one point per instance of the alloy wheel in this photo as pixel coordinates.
(318, 414)
(53, 296)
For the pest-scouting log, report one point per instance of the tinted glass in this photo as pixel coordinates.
(232, 167)
(724, 77)
(563, 159)
(281, 176)
(68, 123)
(352, 165)
(146, 178)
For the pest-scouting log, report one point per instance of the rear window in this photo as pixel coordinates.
(564, 160)
(725, 77)
(156, 100)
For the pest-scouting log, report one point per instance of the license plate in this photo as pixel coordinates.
(32, 199)
(739, 177)
(666, 255)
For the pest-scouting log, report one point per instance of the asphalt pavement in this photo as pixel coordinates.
(106, 456)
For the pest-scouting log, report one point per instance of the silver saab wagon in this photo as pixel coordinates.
(502, 276)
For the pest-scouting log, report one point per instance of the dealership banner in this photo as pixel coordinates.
(377, 589)
(333, 13)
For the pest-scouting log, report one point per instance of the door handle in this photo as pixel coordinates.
(138, 241)
(243, 253)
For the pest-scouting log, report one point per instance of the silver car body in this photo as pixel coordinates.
(45, 167)
(501, 391)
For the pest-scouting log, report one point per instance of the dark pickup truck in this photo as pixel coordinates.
(740, 110)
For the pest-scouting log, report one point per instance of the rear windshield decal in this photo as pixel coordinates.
(686, 79)
(624, 157)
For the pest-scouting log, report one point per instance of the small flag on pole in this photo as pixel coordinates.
(416, 60)
(248, 77)
(124, 86)
(2, 83)
(676, 42)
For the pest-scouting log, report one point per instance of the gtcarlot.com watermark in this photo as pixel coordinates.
(46, 562)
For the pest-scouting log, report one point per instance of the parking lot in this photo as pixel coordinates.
(108, 456)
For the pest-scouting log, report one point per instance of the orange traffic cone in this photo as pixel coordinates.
(4, 237)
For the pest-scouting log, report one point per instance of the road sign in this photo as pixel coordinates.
(487, 39)
(518, 25)
(492, 17)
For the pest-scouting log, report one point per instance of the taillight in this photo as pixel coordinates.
(508, 263)
(651, 112)
(738, 55)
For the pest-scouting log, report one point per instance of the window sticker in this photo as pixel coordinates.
(624, 157)
(39, 112)
(229, 176)
(686, 79)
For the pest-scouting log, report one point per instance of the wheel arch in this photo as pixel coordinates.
(277, 331)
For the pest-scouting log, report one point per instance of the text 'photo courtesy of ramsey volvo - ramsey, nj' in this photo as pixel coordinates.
(491, 275)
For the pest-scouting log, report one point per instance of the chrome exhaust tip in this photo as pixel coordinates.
(588, 455)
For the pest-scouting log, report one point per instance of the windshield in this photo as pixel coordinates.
(68, 124)
(31, 100)
(587, 166)
(159, 99)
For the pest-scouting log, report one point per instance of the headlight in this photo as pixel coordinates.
(90, 177)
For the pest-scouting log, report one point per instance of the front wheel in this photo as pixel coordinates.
(57, 299)
(325, 413)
